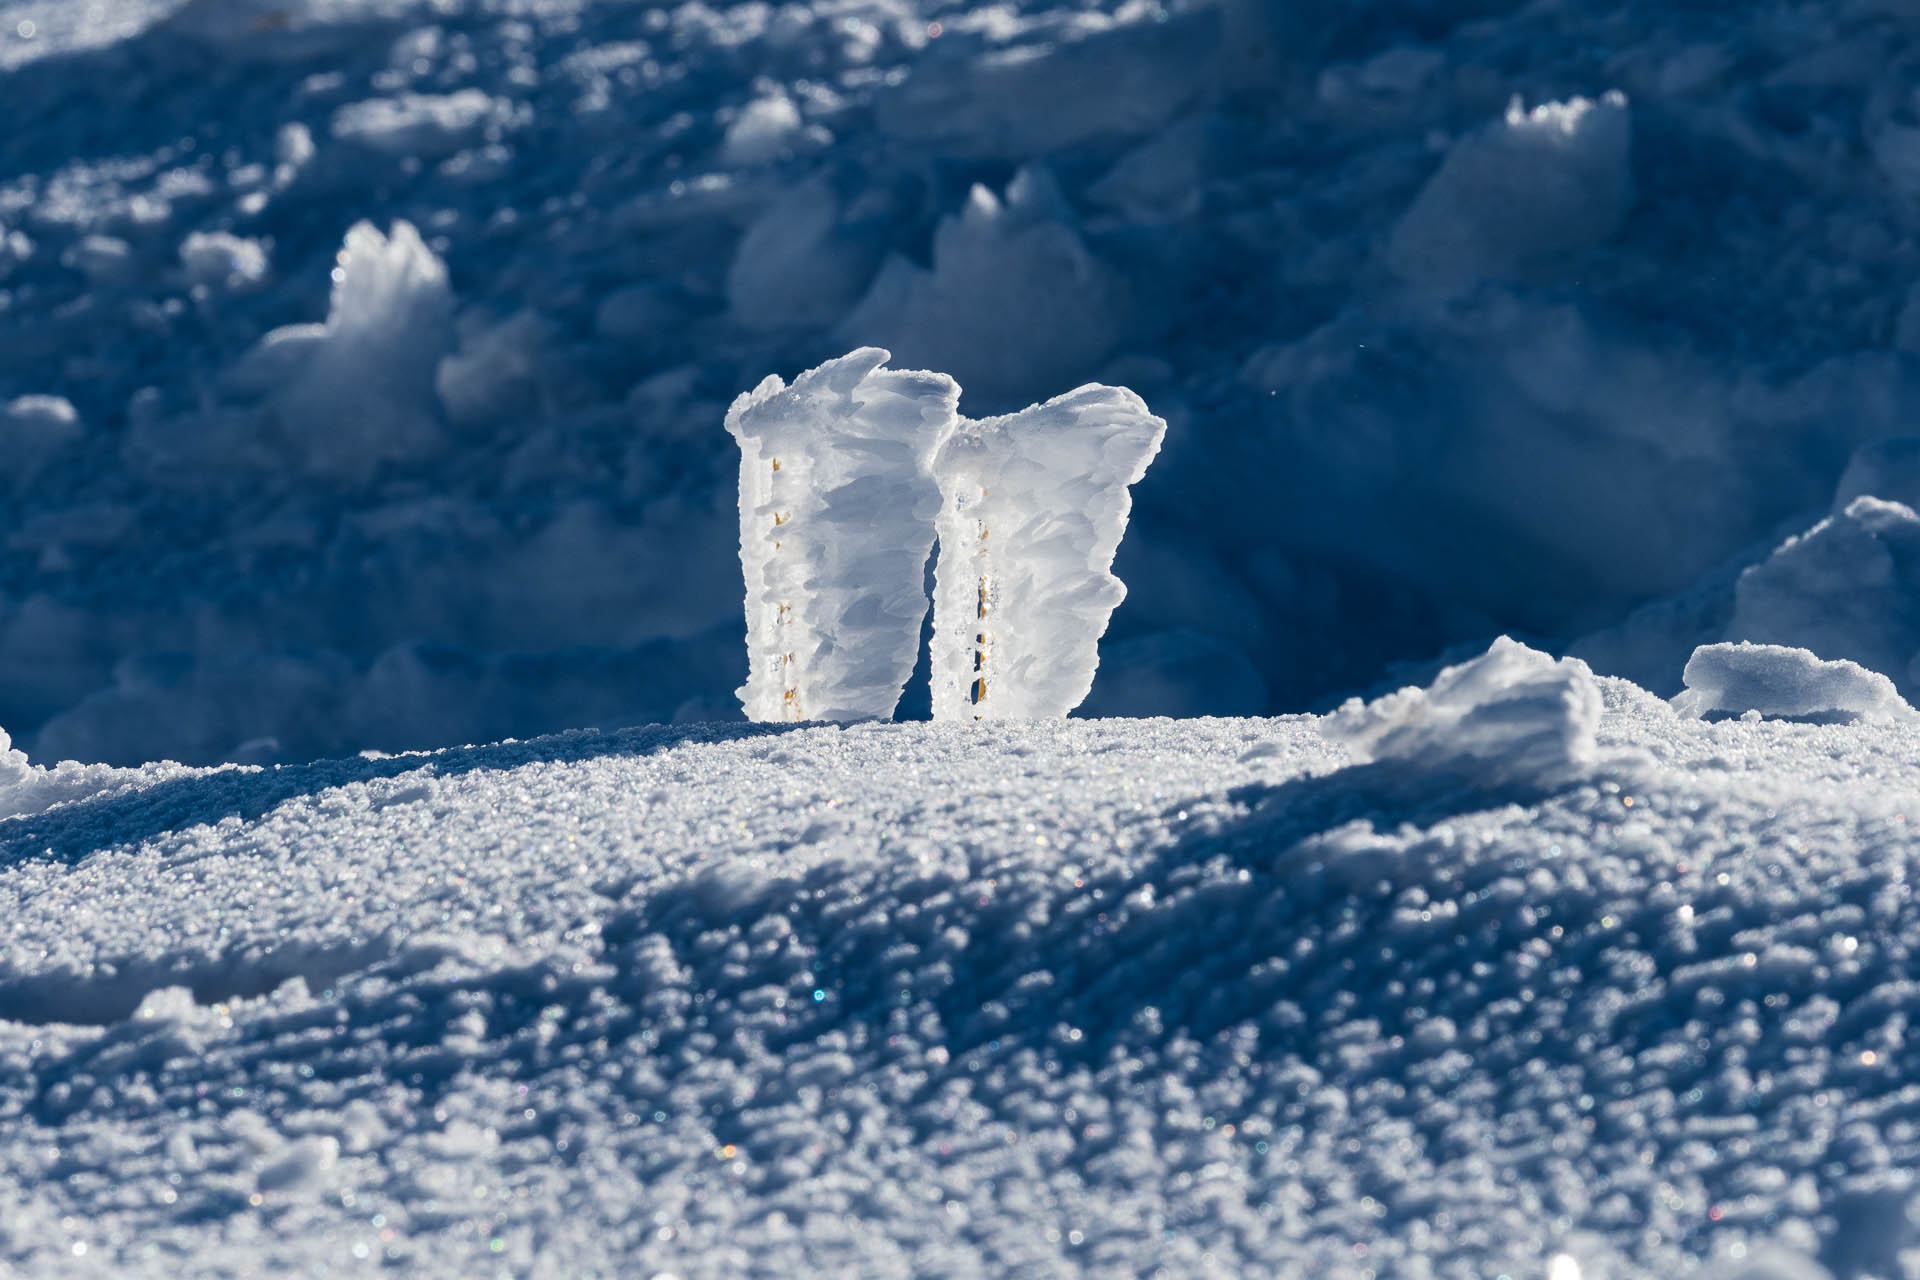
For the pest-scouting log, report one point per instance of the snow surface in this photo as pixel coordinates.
(1436, 365)
(1148, 997)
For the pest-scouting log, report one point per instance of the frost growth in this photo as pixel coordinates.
(837, 509)
(1512, 716)
(1033, 506)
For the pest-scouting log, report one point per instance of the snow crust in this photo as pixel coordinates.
(1051, 997)
(837, 508)
(1033, 507)
(1774, 680)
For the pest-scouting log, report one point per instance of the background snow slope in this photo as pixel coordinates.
(1466, 316)
(1128, 997)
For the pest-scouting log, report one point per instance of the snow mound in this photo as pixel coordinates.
(1034, 505)
(366, 394)
(1543, 181)
(32, 430)
(1512, 717)
(837, 510)
(1775, 680)
(223, 261)
(1848, 588)
(1014, 304)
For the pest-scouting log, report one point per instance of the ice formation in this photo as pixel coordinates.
(1033, 507)
(837, 508)
(1775, 680)
(1511, 717)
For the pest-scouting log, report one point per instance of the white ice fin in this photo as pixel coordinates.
(837, 508)
(1033, 506)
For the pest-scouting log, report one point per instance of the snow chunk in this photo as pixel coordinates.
(52, 416)
(1779, 681)
(1513, 716)
(837, 507)
(1555, 178)
(765, 130)
(1034, 505)
(422, 124)
(33, 429)
(222, 260)
(1847, 588)
(1015, 302)
(366, 392)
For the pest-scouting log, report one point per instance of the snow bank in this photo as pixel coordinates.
(1512, 717)
(837, 507)
(1033, 507)
(1774, 680)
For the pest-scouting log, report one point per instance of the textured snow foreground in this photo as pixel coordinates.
(1077, 997)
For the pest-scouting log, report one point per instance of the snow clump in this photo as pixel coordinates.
(1034, 505)
(33, 429)
(366, 393)
(1776, 680)
(1512, 717)
(223, 261)
(1848, 588)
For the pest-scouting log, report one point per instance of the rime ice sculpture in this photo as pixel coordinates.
(837, 509)
(1033, 508)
